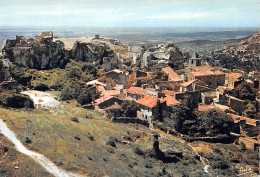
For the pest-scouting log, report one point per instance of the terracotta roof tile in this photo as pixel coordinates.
(137, 90)
(204, 108)
(250, 140)
(171, 74)
(102, 99)
(171, 101)
(169, 92)
(185, 84)
(148, 101)
(237, 118)
(112, 92)
(101, 90)
(134, 90)
(233, 75)
(203, 68)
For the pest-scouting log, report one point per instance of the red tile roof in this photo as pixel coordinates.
(148, 101)
(237, 118)
(233, 75)
(185, 84)
(168, 92)
(250, 140)
(204, 108)
(202, 68)
(134, 90)
(112, 92)
(171, 74)
(102, 99)
(205, 70)
(171, 101)
(137, 90)
(101, 90)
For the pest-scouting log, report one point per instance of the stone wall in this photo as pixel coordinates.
(237, 105)
(109, 102)
(127, 120)
(195, 95)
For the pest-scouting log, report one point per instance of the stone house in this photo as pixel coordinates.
(207, 97)
(135, 93)
(236, 104)
(152, 109)
(120, 77)
(187, 86)
(196, 96)
(106, 101)
(172, 78)
(171, 101)
(171, 75)
(248, 127)
(193, 85)
(250, 143)
(232, 78)
(207, 74)
(154, 92)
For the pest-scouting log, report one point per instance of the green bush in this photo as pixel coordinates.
(215, 122)
(15, 100)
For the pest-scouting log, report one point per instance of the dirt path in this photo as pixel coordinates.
(43, 161)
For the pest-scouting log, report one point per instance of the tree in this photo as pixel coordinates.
(129, 108)
(78, 91)
(245, 92)
(215, 122)
(183, 113)
(87, 95)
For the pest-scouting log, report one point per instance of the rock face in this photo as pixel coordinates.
(161, 55)
(90, 52)
(42, 53)
(38, 53)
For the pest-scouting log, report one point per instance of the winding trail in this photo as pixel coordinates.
(43, 161)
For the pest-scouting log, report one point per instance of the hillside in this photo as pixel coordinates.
(14, 163)
(81, 147)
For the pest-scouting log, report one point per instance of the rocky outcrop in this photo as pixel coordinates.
(90, 52)
(39, 53)
(161, 55)
(43, 53)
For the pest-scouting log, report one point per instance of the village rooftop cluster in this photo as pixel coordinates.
(156, 83)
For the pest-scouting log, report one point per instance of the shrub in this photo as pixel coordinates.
(111, 141)
(138, 151)
(215, 122)
(74, 119)
(129, 108)
(14, 100)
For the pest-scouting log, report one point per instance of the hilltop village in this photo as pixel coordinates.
(190, 96)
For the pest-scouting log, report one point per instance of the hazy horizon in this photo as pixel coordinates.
(135, 13)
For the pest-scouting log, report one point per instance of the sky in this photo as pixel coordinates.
(126, 13)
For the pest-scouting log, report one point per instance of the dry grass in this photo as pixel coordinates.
(14, 163)
(53, 134)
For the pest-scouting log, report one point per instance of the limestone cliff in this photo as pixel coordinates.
(90, 52)
(39, 53)
(42, 53)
